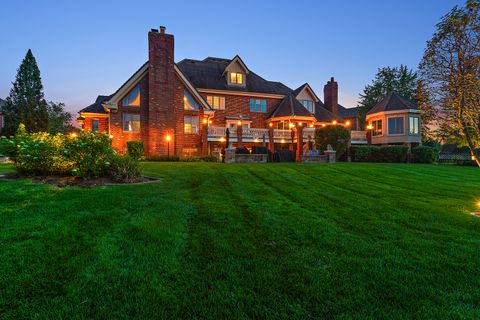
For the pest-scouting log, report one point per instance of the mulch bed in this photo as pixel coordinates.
(72, 181)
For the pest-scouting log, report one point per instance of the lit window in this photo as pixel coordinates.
(95, 125)
(236, 78)
(133, 98)
(188, 102)
(414, 127)
(258, 105)
(308, 104)
(283, 125)
(131, 122)
(190, 124)
(395, 125)
(217, 103)
(377, 128)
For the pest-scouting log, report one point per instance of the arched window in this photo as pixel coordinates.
(133, 98)
(188, 102)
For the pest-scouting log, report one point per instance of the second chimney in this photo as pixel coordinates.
(330, 95)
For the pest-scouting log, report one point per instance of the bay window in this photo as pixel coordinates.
(395, 125)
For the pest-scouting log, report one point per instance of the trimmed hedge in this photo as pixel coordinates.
(336, 136)
(242, 151)
(424, 154)
(182, 159)
(135, 149)
(389, 154)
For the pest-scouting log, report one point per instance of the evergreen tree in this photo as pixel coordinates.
(26, 103)
(59, 120)
(388, 79)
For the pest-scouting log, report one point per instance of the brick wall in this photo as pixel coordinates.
(102, 123)
(240, 105)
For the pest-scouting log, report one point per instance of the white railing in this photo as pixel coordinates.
(308, 132)
(257, 134)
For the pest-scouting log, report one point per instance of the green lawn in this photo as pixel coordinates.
(275, 241)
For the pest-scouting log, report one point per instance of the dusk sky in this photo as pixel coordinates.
(87, 48)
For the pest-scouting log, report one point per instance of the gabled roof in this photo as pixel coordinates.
(96, 107)
(289, 107)
(238, 60)
(392, 102)
(209, 74)
(347, 112)
(305, 86)
(322, 114)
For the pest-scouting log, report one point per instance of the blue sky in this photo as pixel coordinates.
(86, 48)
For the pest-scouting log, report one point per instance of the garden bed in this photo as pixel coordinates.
(73, 181)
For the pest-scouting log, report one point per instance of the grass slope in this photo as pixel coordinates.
(245, 241)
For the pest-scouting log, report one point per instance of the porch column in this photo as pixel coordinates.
(299, 143)
(204, 139)
(239, 135)
(271, 140)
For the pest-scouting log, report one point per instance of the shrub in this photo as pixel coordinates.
(337, 136)
(242, 150)
(135, 149)
(424, 154)
(125, 169)
(379, 154)
(392, 154)
(363, 153)
(283, 155)
(41, 154)
(199, 159)
(90, 154)
(163, 158)
(259, 150)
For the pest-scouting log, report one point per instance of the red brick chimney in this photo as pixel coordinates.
(330, 95)
(161, 89)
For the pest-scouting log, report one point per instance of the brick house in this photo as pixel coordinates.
(194, 102)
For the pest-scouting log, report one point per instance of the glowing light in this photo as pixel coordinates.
(210, 122)
(222, 139)
(255, 140)
(334, 122)
(111, 136)
(347, 123)
(369, 127)
(270, 124)
(184, 98)
(73, 135)
(282, 141)
(205, 121)
(324, 125)
(168, 138)
(311, 126)
(300, 124)
(291, 125)
(239, 122)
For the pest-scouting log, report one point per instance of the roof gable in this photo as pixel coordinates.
(289, 107)
(393, 102)
(305, 89)
(236, 61)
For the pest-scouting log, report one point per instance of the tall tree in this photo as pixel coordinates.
(450, 69)
(26, 103)
(59, 120)
(429, 112)
(388, 79)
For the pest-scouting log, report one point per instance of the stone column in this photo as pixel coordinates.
(229, 155)
(239, 136)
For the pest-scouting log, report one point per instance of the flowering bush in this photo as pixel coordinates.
(90, 154)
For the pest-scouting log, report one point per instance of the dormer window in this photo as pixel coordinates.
(133, 98)
(308, 104)
(236, 78)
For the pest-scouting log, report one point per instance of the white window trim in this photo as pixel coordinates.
(396, 134)
(383, 128)
(419, 129)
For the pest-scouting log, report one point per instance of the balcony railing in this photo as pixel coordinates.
(259, 134)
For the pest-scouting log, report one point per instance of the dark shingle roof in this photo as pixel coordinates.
(347, 112)
(322, 114)
(96, 107)
(289, 106)
(209, 74)
(393, 101)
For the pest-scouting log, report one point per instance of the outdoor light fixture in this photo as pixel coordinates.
(168, 138)
(111, 136)
(255, 140)
(334, 122)
(210, 122)
(300, 124)
(324, 125)
(311, 126)
(205, 121)
(291, 125)
(282, 141)
(369, 127)
(347, 123)
(239, 123)
(73, 135)
(270, 124)
(222, 139)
